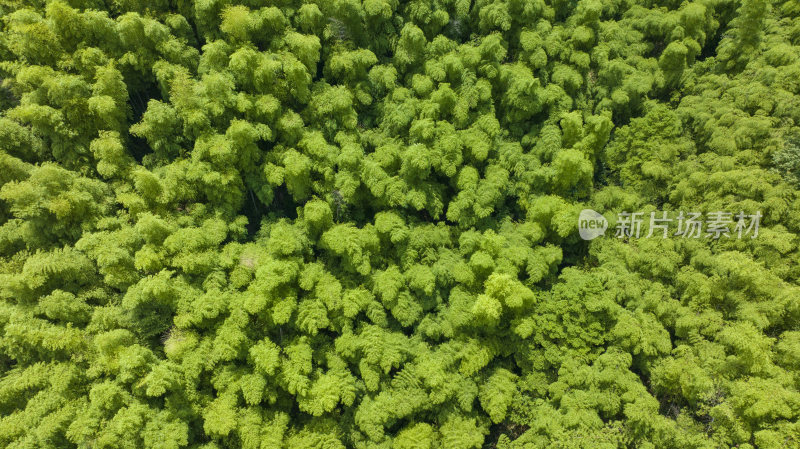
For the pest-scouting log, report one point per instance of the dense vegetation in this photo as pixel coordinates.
(341, 224)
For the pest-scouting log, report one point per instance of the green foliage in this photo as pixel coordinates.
(353, 224)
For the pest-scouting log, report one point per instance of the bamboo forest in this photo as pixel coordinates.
(399, 224)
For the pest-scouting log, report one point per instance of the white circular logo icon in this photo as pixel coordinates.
(591, 224)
